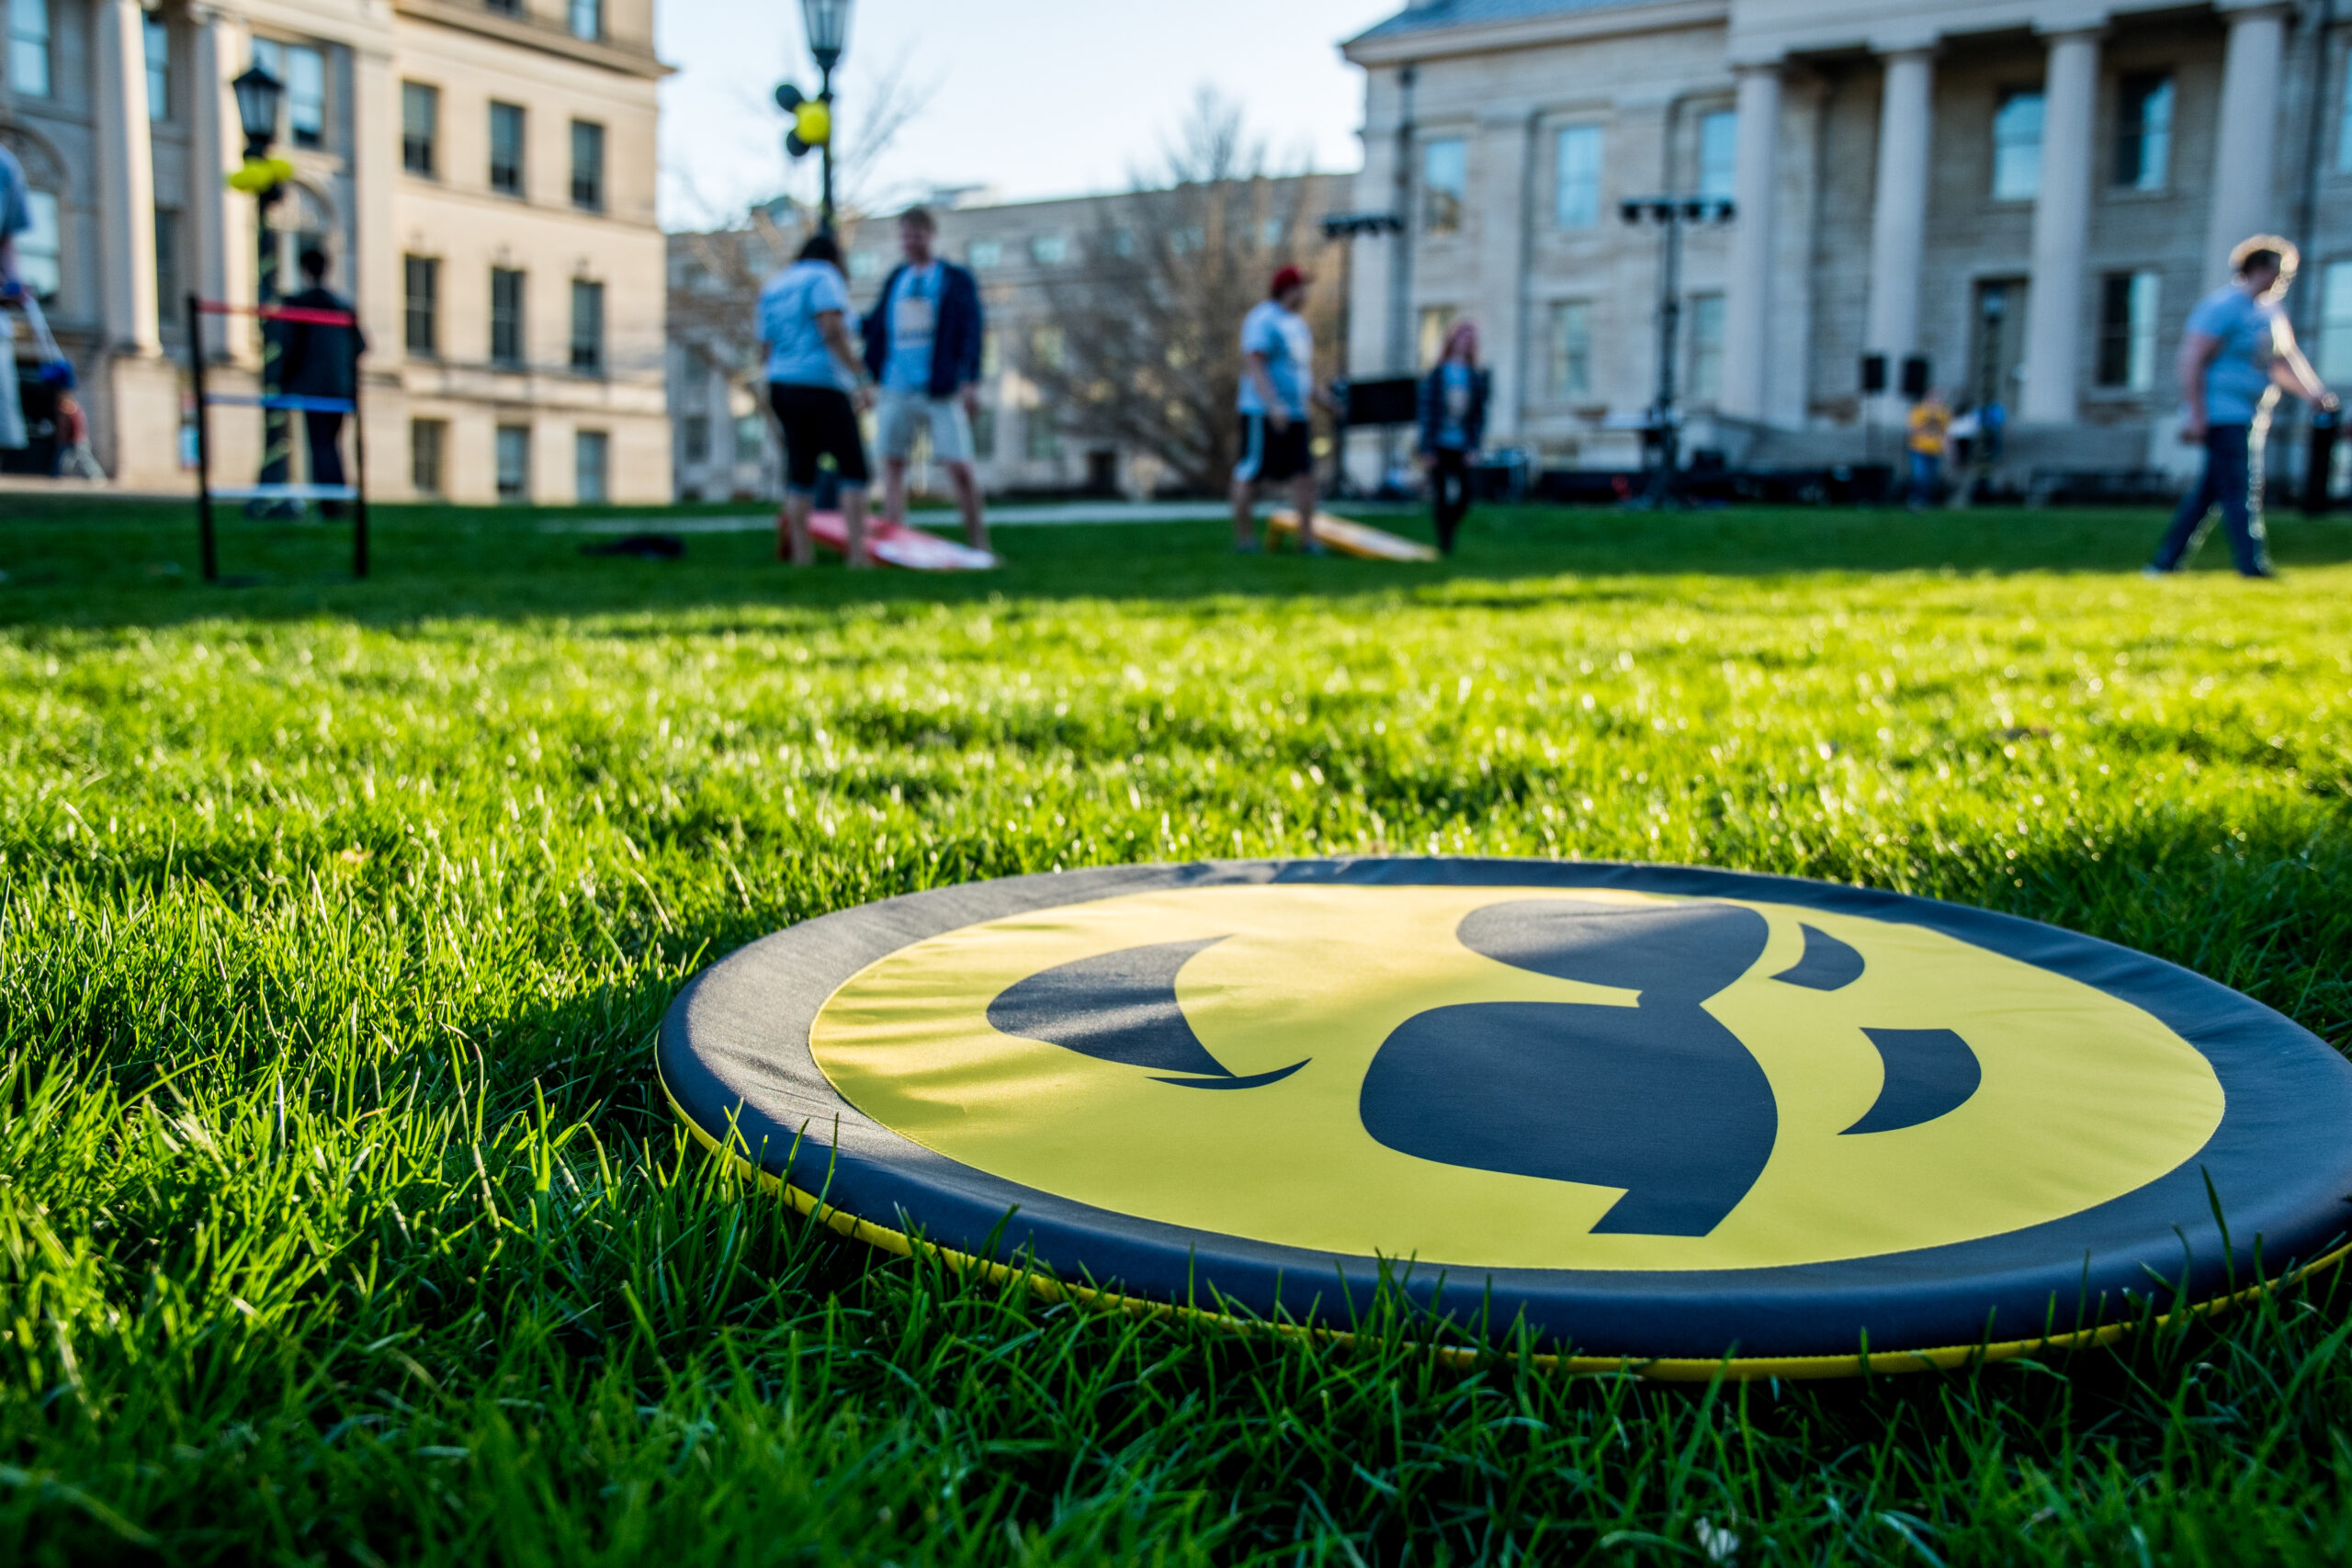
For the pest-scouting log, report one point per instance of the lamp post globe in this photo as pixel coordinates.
(828, 24)
(259, 94)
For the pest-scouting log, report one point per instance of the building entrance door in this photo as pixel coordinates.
(1998, 352)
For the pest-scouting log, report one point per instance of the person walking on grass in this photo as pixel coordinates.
(816, 386)
(1278, 392)
(321, 362)
(922, 345)
(1930, 433)
(1453, 427)
(2237, 356)
(15, 217)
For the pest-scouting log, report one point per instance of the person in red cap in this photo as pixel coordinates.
(1278, 392)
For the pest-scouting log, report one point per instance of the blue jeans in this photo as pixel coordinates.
(2232, 481)
(1926, 472)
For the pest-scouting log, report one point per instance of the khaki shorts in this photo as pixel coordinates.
(899, 415)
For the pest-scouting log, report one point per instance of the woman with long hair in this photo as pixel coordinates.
(1454, 424)
(816, 385)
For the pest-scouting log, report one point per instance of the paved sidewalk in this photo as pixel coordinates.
(1059, 512)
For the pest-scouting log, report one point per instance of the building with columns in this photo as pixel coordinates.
(480, 172)
(2032, 193)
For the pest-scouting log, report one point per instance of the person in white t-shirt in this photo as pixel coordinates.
(815, 385)
(923, 346)
(1278, 397)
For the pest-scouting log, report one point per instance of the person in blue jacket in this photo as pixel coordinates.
(1454, 424)
(922, 348)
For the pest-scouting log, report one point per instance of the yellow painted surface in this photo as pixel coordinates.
(2084, 1098)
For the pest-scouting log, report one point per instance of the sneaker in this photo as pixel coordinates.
(2152, 570)
(1250, 549)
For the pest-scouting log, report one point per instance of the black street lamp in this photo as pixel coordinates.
(1671, 213)
(259, 97)
(827, 22)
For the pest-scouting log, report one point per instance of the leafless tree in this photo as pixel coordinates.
(1145, 349)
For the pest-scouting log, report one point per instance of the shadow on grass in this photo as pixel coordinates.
(98, 564)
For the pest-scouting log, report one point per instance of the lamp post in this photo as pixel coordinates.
(828, 25)
(259, 97)
(1671, 213)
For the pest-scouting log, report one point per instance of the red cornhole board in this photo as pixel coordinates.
(896, 544)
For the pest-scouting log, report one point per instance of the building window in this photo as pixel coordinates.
(507, 148)
(1571, 350)
(420, 127)
(2016, 146)
(1706, 347)
(514, 465)
(423, 312)
(2336, 324)
(1437, 320)
(865, 266)
(28, 48)
(591, 464)
(587, 327)
(985, 253)
(428, 439)
(750, 440)
(694, 434)
(506, 318)
(2126, 330)
(40, 249)
(1445, 185)
(503, 7)
(1576, 192)
(1122, 241)
(1049, 349)
(1042, 442)
(984, 434)
(158, 36)
(1049, 250)
(587, 165)
(1272, 234)
(2143, 134)
(169, 305)
(587, 19)
(991, 352)
(1185, 241)
(304, 71)
(1719, 154)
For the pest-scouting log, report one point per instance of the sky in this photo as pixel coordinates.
(1032, 97)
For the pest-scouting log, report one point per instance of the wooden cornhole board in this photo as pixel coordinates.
(898, 544)
(1349, 538)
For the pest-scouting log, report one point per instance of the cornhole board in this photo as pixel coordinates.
(1698, 1123)
(899, 545)
(1349, 538)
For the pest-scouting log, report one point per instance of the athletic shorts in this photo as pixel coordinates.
(899, 414)
(818, 421)
(1270, 454)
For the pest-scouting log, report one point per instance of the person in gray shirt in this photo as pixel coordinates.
(2238, 354)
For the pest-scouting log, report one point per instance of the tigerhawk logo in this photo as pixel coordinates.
(1518, 1077)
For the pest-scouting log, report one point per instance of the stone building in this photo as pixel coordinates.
(1020, 253)
(2030, 192)
(481, 171)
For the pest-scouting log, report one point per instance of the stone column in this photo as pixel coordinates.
(1899, 217)
(1501, 237)
(216, 149)
(2244, 167)
(2061, 224)
(125, 180)
(1747, 289)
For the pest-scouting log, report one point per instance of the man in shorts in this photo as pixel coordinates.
(1278, 392)
(922, 347)
(15, 217)
(2238, 354)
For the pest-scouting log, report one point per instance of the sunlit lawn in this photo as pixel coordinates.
(341, 1220)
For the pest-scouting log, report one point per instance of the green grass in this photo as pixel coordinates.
(341, 1219)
